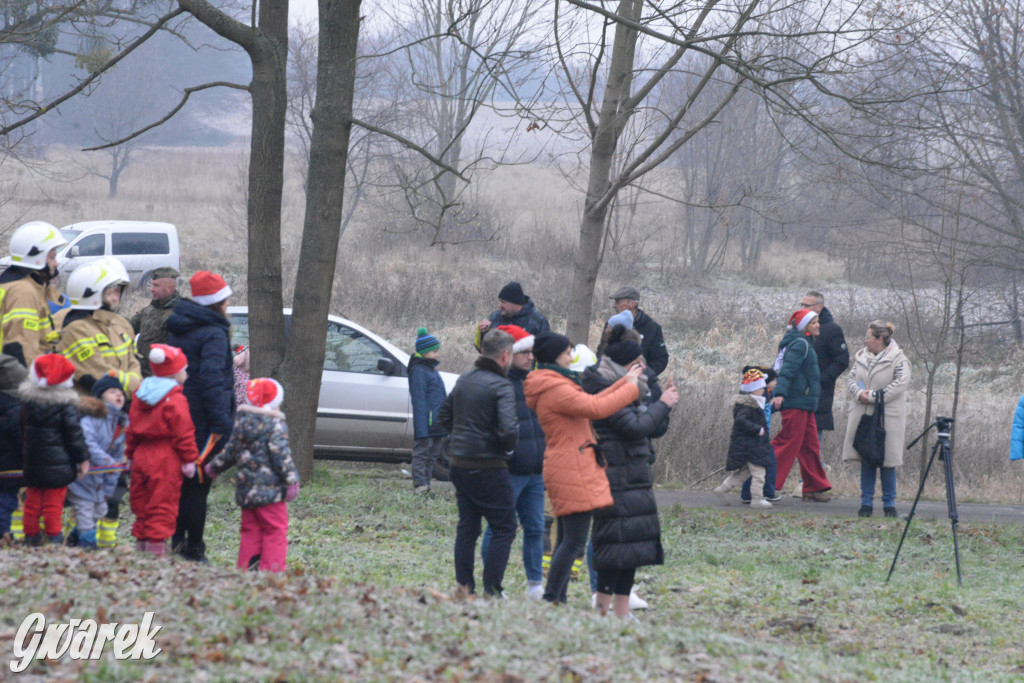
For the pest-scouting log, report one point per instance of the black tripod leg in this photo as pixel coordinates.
(910, 516)
(954, 517)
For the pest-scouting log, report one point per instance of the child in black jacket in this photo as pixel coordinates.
(750, 448)
(53, 446)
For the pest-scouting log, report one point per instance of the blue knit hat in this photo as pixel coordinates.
(623, 318)
(426, 342)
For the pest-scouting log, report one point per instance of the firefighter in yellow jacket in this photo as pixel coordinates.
(93, 336)
(27, 329)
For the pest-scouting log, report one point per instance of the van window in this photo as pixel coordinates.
(128, 243)
(91, 245)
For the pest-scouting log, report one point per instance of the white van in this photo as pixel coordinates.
(142, 246)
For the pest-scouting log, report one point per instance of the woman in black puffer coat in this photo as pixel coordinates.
(626, 535)
(200, 327)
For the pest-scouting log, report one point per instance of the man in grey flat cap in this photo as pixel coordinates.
(151, 322)
(653, 342)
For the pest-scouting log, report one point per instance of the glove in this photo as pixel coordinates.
(292, 492)
(87, 382)
(189, 470)
(209, 472)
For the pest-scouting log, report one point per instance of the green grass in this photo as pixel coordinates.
(742, 596)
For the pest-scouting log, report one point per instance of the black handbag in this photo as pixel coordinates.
(869, 440)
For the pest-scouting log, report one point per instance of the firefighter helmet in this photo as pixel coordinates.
(32, 242)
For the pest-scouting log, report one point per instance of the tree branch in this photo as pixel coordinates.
(94, 75)
(410, 144)
(188, 93)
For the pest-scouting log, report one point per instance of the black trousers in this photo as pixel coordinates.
(483, 494)
(188, 537)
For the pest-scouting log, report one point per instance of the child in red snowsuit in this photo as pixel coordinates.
(160, 449)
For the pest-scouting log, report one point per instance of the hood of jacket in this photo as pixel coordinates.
(92, 407)
(153, 389)
(12, 373)
(265, 412)
(430, 363)
(188, 316)
(30, 391)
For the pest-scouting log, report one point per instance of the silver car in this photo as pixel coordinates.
(364, 411)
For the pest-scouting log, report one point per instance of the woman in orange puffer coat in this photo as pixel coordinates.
(573, 476)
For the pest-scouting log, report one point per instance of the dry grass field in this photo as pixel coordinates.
(391, 280)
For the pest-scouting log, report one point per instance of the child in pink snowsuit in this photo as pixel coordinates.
(266, 479)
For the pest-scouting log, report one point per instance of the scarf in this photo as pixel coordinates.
(565, 372)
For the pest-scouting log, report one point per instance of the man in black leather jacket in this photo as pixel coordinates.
(480, 413)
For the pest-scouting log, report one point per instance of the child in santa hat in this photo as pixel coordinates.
(52, 443)
(267, 479)
(160, 448)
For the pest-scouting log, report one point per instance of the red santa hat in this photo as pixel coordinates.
(208, 288)
(801, 318)
(522, 340)
(166, 360)
(52, 370)
(265, 392)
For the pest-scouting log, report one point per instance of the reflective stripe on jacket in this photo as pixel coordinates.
(26, 318)
(98, 343)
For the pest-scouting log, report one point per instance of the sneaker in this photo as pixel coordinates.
(865, 511)
(745, 501)
(763, 504)
(535, 592)
(774, 498)
(722, 495)
(890, 512)
(817, 497)
(635, 601)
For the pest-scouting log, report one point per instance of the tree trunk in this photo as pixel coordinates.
(328, 157)
(115, 173)
(611, 121)
(268, 89)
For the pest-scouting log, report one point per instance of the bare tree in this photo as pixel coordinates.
(629, 50)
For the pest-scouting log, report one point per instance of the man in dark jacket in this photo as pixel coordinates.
(652, 340)
(514, 308)
(151, 322)
(480, 413)
(526, 468)
(833, 358)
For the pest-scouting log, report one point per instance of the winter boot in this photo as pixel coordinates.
(141, 546)
(158, 548)
(55, 539)
(106, 532)
(35, 540)
(72, 537)
(86, 539)
(17, 529)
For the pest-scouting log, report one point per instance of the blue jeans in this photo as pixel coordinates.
(483, 494)
(867, 485)
(769, 481)
(8, 504)
(529, 492)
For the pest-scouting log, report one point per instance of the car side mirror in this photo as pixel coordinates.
(386, 365)
(73, 252)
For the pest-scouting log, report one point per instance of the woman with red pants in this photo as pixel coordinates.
(796, 395)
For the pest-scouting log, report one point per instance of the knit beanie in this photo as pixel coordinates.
(426, 342)
(753, 379)
(799, 320)
(512, 293)
(625, 318)
(621, 350)
(548, 346)
(104, 383)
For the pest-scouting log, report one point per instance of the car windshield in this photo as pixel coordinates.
(70, 235)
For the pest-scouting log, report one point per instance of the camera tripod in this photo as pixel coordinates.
(944, 449)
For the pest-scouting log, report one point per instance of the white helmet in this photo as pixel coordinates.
(86, 284)
(32, 242)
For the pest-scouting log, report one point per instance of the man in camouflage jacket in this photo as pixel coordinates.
(151, 322)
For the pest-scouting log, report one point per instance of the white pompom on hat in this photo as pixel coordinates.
(52, 370)
(208, 288)
(166, 360)
(265, 392)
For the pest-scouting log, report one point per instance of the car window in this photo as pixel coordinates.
(91, 245)
(351, 351)
(124, 243)
(347, 350)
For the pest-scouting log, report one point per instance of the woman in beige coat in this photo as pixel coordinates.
(880, 365)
